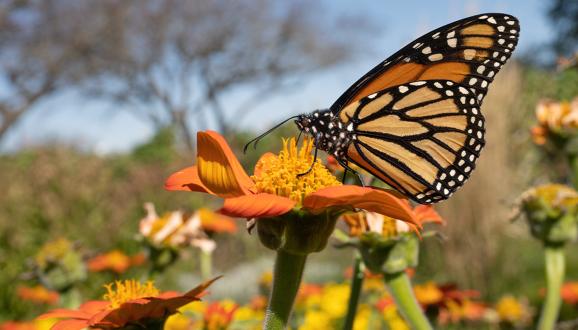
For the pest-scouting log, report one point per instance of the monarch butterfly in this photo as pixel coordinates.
(414, 120)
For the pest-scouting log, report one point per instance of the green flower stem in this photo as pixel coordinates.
(206, 264)
(554, 257)
(286, 280)
(355, 291)
(400, 288)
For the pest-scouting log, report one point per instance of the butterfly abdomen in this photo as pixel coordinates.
(328, 131)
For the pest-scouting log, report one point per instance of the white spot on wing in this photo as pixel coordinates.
(469, 53)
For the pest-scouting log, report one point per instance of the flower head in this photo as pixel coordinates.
(177, 229)
(513, 311)
(127, 302)
(552, 212)
(275, 188)
(557, 121)
(387, 244)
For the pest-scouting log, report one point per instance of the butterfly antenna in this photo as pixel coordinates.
(256, 140)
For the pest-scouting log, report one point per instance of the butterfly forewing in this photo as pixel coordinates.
(422, 138)
(469, 52)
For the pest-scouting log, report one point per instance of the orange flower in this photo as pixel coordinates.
(38, 295)
(428, 294)
(466, 310)
(554, 118)
(275, 188)
(131, 302)
(115, 261)
(569, 293)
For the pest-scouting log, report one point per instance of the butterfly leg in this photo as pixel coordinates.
(347, 168)
(312, 164)
(344, 176)
(299, 137)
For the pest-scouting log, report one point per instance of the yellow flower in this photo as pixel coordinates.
(512, 310)
(316, 320)
(334, 299)
(392, 318)
(178, 321)
(245, 313)
(362, 318)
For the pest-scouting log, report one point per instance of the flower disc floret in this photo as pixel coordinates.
(280, 175)
(129, 290)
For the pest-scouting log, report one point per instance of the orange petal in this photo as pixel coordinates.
(186, 179)
(262, 162)
(219, 169)
(70, 325)
(426, 213)
(367, 198)
(257, 206)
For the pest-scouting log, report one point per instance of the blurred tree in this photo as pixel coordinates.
(173, 60)
(40, 54)
(564, 16)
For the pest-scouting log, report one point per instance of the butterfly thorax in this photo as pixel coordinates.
(328, 131)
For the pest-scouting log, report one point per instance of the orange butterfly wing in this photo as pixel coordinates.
(469, 51)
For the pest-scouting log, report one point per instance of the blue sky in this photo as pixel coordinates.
(95, 125)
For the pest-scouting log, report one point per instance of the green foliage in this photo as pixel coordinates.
(567, 84)
(160, 149)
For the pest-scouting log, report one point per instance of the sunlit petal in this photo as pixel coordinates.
(257, 206)
(219, 169)
(186, 179)
(367, 198)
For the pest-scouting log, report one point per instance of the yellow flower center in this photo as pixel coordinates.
(279, 175)
(389, 227)
(128, 290)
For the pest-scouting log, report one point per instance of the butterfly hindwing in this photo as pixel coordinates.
(469, 52)
(422, 138)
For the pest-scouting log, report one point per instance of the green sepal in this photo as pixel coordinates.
(389, 255)
(297, 232)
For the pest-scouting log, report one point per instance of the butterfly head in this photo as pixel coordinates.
(328, 131)
(315, 122)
